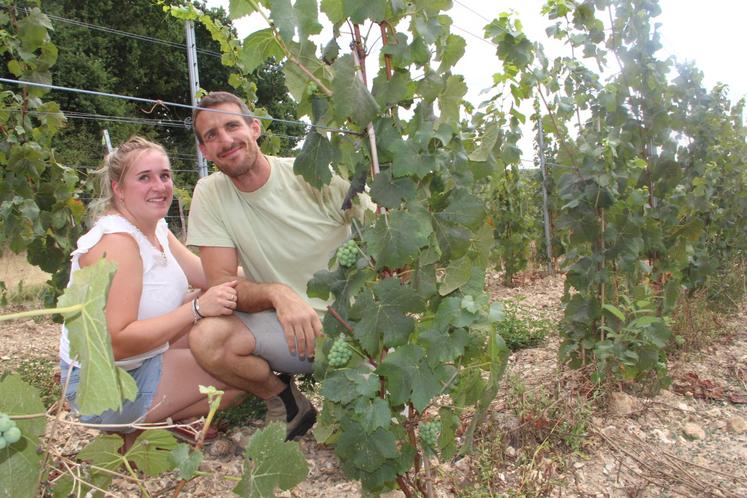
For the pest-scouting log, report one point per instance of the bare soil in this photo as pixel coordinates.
(689, 440)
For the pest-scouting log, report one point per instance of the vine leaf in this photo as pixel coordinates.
(458, 273)
(19, 462)
(307, 15)
(271, 462)
(346, 385)
(102, 452)
(451, 99)
(360, 10)
(386, 314)
(151, 451)
(103, 385)
(284, 17)
(410, 378)
(391, 192)
(313, 161)
(351, 97)
(185, 461)
(397, 237)
(239, 8)
(359, 450)
(258, 47)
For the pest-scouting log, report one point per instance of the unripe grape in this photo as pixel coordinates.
(12, 435)
(339, 354)
(5, 422)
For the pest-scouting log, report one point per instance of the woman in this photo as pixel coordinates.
(148, 311)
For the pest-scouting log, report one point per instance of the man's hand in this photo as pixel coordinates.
(299, 320)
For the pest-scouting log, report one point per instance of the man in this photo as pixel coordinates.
(257, 213)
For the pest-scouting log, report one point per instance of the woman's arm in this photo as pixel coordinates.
(131, 336)
(190, 263)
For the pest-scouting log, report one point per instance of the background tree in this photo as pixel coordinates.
(116, 63)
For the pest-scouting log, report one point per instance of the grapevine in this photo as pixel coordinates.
(347, 254)
(340, 353)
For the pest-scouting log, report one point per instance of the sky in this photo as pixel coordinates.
(711, 34)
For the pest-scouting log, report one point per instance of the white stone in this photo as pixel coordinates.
(621, 404)
(737, 425)
(693, 431)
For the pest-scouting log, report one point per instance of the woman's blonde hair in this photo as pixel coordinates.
(114, 169)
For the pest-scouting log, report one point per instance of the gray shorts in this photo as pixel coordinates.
(271, 344)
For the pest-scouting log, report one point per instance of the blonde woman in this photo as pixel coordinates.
(149, 312)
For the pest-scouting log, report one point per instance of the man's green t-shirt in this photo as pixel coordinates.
(283, 232)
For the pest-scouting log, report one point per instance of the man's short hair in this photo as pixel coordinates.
(213, 99)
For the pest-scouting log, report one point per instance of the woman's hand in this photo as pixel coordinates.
(219, 299)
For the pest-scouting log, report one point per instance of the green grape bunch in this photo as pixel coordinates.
(347, 254)
(340, 353)
(429, 433)
(9, 433)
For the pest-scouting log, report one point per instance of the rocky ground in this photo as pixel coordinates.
(550, 432)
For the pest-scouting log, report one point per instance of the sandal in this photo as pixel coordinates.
(189, 432)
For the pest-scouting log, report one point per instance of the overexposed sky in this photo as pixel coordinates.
(712, 34)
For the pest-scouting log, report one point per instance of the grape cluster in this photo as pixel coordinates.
(9, 433)
(347, 254)
(340, 353)
(429, 432)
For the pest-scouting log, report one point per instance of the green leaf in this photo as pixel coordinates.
(360, 10)
(451, 100)
(308, 22)
(408, 161)
(351, 97)
(451, 52)
(359, 450)
(390, 92)
(458, 273)
(489, 138)
(375, 415)
(397, 238)
(102, 386)
(270, 462)
(409, 377)
(151, 451)
(334, 10)
(258, 47)
(186, 461)
(392, 192)
(386, 314)
(239, 8)
(102, 452)
(615, 311)
(284, 17)
(313, 163)
(20, 462)
(349, 384)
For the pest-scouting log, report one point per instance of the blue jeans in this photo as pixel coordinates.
(147, 376)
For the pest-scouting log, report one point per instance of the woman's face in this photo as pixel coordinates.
(146, 191)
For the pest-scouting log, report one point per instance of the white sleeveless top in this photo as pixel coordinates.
(164, 282)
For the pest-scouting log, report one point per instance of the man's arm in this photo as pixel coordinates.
(299, 320)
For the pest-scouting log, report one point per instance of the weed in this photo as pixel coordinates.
(250, 408)
(40, 373)
(22, 294)
(519, 331)
(695, 324)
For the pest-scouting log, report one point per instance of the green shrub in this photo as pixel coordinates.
(520, 331)
(40, 373)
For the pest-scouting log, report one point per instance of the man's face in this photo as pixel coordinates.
(227, 139)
